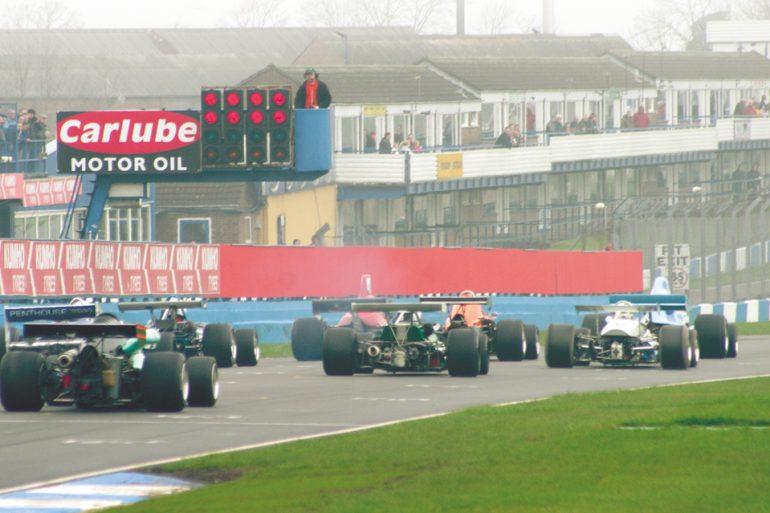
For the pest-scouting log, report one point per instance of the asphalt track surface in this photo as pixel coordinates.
(282, 399)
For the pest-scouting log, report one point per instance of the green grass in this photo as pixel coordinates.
(698, 448)
(753, 328)
(275, 350)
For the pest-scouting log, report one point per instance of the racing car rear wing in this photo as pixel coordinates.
(629, 308)
(397, 307)
(126, 306)
(342, 305)
(55, 313)
(456, 300)
(81, 330)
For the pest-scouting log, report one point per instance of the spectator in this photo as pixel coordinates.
(2, 134)
(414, 143)
(627, 121)
(370, 142)
(296, 242)
(739, 180)
(385, 144)
(593, 124)
(555, 126)
(574, 125)
(763, 103)
(754, 179)
(530, 120)
(516, 137)
(749, 109)
(505, 140)
(738, 111)
(641, 119)
(312, 93)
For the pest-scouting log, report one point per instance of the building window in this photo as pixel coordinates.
(42, 226)
(194, 230)
(126, 224)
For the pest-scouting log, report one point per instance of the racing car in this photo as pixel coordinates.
(178, 333)
(642, 329)
(508, 339)
(405, 344)
(99, 362)
(307, 333)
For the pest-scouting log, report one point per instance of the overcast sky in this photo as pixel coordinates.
(572, 16)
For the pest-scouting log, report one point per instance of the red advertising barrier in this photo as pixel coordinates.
(334, 272)
(39, 192)
(11, 186)
(46, 268)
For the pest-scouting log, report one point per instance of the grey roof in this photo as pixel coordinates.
(698, 65)
(540, 73)
(356, 85)
(329, 48)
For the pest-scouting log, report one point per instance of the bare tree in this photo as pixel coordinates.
(754, 9)
(421, 15)
(40, 14)
(331, 13)
(673, 24)
(260, 13)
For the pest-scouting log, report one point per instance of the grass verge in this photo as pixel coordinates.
(275, 350)
(697, 448)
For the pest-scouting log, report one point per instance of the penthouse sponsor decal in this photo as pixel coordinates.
(129, 141)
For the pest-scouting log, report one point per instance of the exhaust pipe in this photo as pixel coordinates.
(373, 351)
(66, 359)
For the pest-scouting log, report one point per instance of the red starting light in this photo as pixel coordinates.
(279, 117)
(279, 98)
(256, 117)
(211, 117)
(233, 117)
(256, 98)
(210, 99)
(233, 99)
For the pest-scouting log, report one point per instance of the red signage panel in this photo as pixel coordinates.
(131, 269)
(208, 270)
(15, 278)
(45, 264)
(103, 262)
(76, 275)
(183, 269)
(157, 267)
(11, 186)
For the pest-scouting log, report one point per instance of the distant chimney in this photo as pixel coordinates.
(460, 17)
(549, 17)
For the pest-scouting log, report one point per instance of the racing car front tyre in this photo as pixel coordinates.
(560, 345)
(712, 335)
(307, 336)
(165, 382)
(339, 352)
(463, 355)
(510, 341)
(166, 342)
(20, 378)
(694, 349)
(732, 340)
(247, 347)
(218, 342)
(532, 336)
(204, 381)
(483, 354)
(674, 347)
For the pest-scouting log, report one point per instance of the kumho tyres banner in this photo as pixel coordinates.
(83, 268)
(128, 142)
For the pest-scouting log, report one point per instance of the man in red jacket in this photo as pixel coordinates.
(641, 119)
(312, 94)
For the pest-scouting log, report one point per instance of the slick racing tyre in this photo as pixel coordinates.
(560, 345)
(483, 354)
(218, 341)
(21, 373)
(463, 355)
(595, 323)
(339, 352)
(307, 336)
(166, 342)
(674, 347)
(712, 335)
(510, 341)
(204, 381)
(165, 382)
(532, 336)
(247, 347)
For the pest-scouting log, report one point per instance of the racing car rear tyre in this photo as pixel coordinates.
(595, 323)
(20, 378)
(510, 341)
(463, 355)
(483, 354)
(674, 347)
(307, 336)
(712, 335)
(732, 340)
(247, 354)
(204, 381)
(532, 336)
(218, 342)
(339, 352)
(165, 382)
(560, 345)
(694, 349)
(166, 342)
